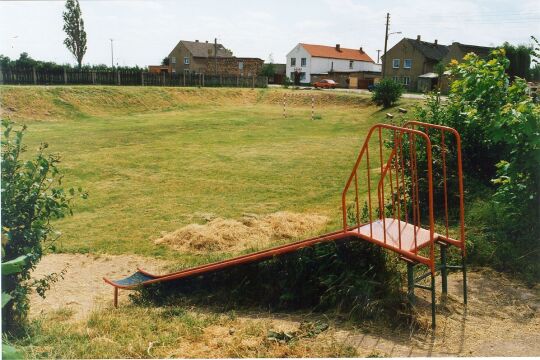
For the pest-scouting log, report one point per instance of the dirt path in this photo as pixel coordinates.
(501, 319)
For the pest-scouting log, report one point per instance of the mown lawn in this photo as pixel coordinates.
(149, 172)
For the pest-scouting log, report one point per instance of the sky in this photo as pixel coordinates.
(145, 31)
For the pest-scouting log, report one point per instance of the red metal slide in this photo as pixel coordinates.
(391, 214)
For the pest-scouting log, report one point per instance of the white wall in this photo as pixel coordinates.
(324, 65)
(317, 65)
(299, 52)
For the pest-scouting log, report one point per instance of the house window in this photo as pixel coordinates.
(173, 59)
(302, 76)
(186, 60)
(407, 63)
(351, 63)
(303, 62)
(395, 63)
(396, 79)
(293, 61)
(241, 65)
(406, 80)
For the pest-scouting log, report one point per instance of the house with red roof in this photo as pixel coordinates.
(316, 61)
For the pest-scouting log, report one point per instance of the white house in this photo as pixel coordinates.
(319, 59)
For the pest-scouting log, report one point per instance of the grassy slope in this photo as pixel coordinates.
(152, 158)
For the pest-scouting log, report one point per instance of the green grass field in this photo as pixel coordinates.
(154, 158)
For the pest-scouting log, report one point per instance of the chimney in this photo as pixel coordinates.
(196, 40)
(361, 50)
(435, 42)
(338, 47)
(418, 37)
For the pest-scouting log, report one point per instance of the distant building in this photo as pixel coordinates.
(412, 62)
(211, 58)
(314, 62)
(158, 69)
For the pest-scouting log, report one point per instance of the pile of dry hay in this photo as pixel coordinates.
(251, 231)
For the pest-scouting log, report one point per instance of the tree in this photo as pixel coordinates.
(268, 70)
(165, 61)
(74, 28)
(387, 92)
(520, 60)
(32, 196)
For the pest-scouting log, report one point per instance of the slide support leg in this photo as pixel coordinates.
(410, 283)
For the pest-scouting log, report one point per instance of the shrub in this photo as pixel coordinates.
(387, 92)
(32, 196)
(500, 130)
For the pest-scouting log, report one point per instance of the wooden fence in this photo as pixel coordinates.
(134, 78)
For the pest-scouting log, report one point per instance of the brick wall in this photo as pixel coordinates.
(233, 66)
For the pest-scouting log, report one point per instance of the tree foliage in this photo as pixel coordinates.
(268, 70)
(500, 129)
(25, 62)
(32, 196)
(387, 92)
(520, 60)
(75, 40)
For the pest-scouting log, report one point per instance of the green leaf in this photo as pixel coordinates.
(5, 298)
(9, 352)
(14, 266)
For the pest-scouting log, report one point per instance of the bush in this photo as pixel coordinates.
(387, 92)
(500, 130)
(32, 196)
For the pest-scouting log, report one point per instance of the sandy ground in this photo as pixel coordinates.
(82, 289)
(501, 319)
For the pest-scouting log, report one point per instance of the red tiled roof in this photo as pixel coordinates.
(331, 52)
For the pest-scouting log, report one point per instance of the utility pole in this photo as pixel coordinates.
(215, 55)
(378, 57)
(112, 54)
(385, 44)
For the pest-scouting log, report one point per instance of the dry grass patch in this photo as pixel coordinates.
(250, 231)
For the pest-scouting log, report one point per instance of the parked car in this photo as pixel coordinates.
(325, 84)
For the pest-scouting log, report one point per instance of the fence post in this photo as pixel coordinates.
(93, 77)
(142, 78)
(221, 80)
(203, 79)
(34, 76)
(1, 76)
(118, 77)
(184, 77)
(237, 80)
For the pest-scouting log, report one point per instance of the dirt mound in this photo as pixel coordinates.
(251, 231)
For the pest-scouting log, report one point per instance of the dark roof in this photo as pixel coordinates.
(430, 50)
(482, 51)
(205, 49)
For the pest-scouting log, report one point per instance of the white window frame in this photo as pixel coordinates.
(186, 60)
(351, 64)
(406, 80)
(405, 63)
(173, 59)
(395, 79)
(240, 65)
(293, 61)
(395, 63)
(303, 62)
